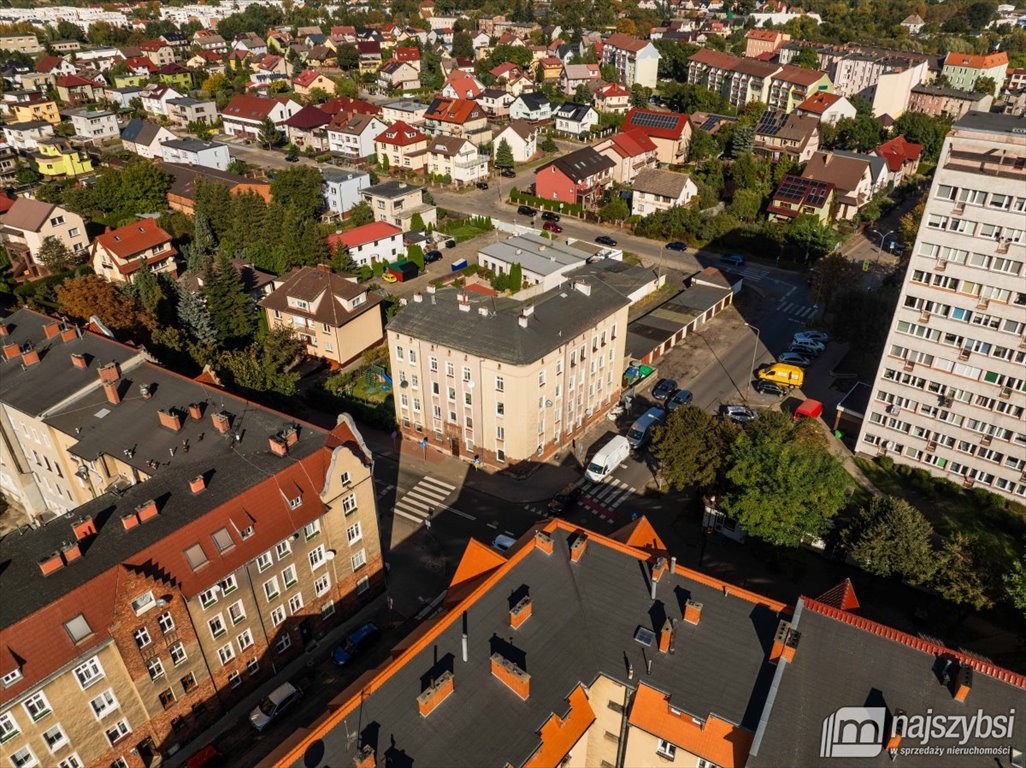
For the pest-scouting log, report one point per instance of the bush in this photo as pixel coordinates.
(570, 209)
(886, 463)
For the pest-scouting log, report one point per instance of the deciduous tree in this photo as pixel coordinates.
(88, 295)
(960, 577)
(299, 188)
(54, 255)
(691, 448)
(263, 366)
(890, 537)
(1015, 583)
(361, 214)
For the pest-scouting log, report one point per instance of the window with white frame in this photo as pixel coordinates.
(354, 533)
(295, 604)
(277, 615)
(118, 731)
(104, 704)
(8, 727)
(316, 557)
(271, 590)
(322, 584)
(217, 627)
(119, 762)
(178, 654)
(71, 761)
(252, 667)
(327, 610)
(237, 612)
(264, 561)
(666, 749)
(89, 672)
(359, 560)
(166, 622)
(235, 679)
(24, 758)
(312, 529)
(228, 585)
(284, 643)
(226, 653)
(11, 678)
(37, 706)
(142, 637)
(362, 585)
(283, 549)
(208, 597)
(155, 667)
(55, 738)
(143, 603)
(244, 640)
(349, 504)
(289, 577)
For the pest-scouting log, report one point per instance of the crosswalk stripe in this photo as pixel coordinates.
(786, 308)
(412, 505)
(428, 493)
(439, 483)
(409, 517)
(614, 502)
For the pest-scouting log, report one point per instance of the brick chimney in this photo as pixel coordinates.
(512, 676)
(963, 682)
(146, 511)
(110, 389)
(170, 419)
(222, 421)
(51, 329)
(79, 360)
(785, 642)
(577, 546)
(659, 567)
(365, 757)
(520, 612)
(109, 372)
(196, 411)
(5, 330)
(83, 528)
(11, 351)
(692, 611)
(70, 552)
(543, 541)
(29, 357)
(666, 637)
(436, 693)
(70, 333)
(278, 446)
(52, 563)
(894, 740)
(291, 435)
(129, 521)
(197, 484)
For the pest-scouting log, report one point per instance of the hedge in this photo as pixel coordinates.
(570, 209)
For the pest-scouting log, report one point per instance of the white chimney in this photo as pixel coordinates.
(583, 287)
(522, 320)
(430, 288)
(418, 297)
(528, 310)
(483, 311)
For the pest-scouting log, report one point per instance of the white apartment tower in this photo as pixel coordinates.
(950, 393)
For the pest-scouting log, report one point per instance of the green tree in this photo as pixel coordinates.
(673, 64)
(194, 317)
(985, 84)
(268, 136)
(231, 310)
(808, 236)
(203, 245)
(858, 134)
(360, 214)
(463, 45)
(743, 141)
(783, 490)
(691, 448)
(149, 293)
(960, 577)
(343, 262)
(890, 537)
(504, 155)
(921, 128)
(702, 146)
(348, 57)
(548, 145)
(979, 15)
(806, 58)
(746, 204)
(299, 188)
(417, 223)
(416, 254)
(264, 366)
(516, 277)
(1015, 583)
(615, 210)
(87, 295)
(834, 273)
(54, 255)
(908, 227)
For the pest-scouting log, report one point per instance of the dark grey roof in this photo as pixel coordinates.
(29, 125)
(573, 112)
(584, 617)
(557, 316)
(391, 189)
(950, 93)
(995, 123)
(193, 145)
(580, 164)
(139, 131)
(878, 165)
(534, 100)
(337, 174)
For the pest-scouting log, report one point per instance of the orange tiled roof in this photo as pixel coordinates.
(975, 61)
(124, 242)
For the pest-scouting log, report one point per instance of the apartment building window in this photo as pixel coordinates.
(24, 758)
(295, 604)
(11, 678)
(500, 384)
(244, 640)
(362, 585)
(222, 539)
(666, 749)
(450, 370)
(316, 557)
(89, 673)
(118, 731)
(277, 616)
(413, 352)
(322, 585)
(354, 533)
(104, 704)
(349, 504)
(228, 585)
(155, 668)
(237, 612)
(541, 378)
(167, 698)
(359, 560)
(165, 622)
(71, 761)
(226, 653)
(264, 561)
(500, 433)
(328, 609)
(196, 557)
(142, 637)
(466, 373)
(433, 363)
(178, 654)
(37, 706)
(451, 392)
(8, 727)
(55, 738)
(500, 409)
(78, 628)
(188, 682)
(216, 625)
(284, 643)
(283, 549)
(289, 577)
(399, 353)
(271, 590)
(252, 667)
(208, 597)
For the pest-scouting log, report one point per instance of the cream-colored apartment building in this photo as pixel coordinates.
(950, 393)
(503, 380)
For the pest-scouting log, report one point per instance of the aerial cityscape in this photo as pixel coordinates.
(545, 383)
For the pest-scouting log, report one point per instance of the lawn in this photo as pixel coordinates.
(465, 229)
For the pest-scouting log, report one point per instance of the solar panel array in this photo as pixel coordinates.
(659, 120)
(795, 189)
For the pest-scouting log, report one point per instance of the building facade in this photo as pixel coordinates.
(950, 393)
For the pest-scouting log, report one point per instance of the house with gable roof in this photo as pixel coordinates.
(119, 253)
(402, 146)
(245, 113)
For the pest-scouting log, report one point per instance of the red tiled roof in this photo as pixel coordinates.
(625, 42)
(975, 61)
(819, 102)
(47, 63)
(401, 134)
(308, 117)
(898, 151)
(174, 68)
(124, 242)
(798, 75)
(636, 118)
(406, 54)
(457, 111)
(507, 67)
(249, 107)
(5, 202)
(632, 143)
(842, 596)
(612, 89)
(712, 58)
(136, 62)
(345, 104)
(74, 81)
(464, 83)
(368, 233)
(306, 77)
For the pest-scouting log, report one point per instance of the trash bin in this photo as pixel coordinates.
(838, 434)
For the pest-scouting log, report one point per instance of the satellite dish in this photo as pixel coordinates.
(548, 403)
(329, 555)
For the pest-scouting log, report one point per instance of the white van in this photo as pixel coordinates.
(608, 458)
(640, 430)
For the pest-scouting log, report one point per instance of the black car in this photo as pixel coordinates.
(450, 243)
(482, 185)
(605, 240)
(663, 389)
(508, 173)
(431, 256)
(526, 210)
(676, 245)
(679, 399)
(550, 216)
(563, 500)
(769, 388)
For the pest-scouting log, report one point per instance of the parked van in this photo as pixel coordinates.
(782, 373)
(608, 458)
(640, 430)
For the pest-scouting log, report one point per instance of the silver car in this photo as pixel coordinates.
(277, 701)
(795, 358)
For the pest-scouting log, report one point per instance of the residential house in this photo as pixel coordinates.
(509, 77)
(398, 75)
(122, 98)
(28, 223)
(268, 69)
(157, 51)
(460, 85)
(796, 196)
(75, 89)
(749, 80)
(21, 43)
(206, 63)
(533, 106)
(902, 158)
(456, 158)
(759, 42)
(402, 147)
(308, 128)
(140, 69)
(950, 102)
(409, 111)
(398, 202)
(334, 316)
(342, 189)
(578, 177)
(792, 85)
(9, 167)
(131, 81)
(244, 114)
(877, 169)
(145, 138)
(310, 79)
(184, 179)
(250, 42)
(55, 65)
(119, 253)
(670, 131)
(575, 76)
(914, 24)
(656, 190)
(636, 61)
(575, 119)
(209, 154)
(183, 111)
(208, 40)
(353, 137)
(155, 99)
(457, 117)
(522, 138)
(495, 102)
(962, 70)
(370, 56)
(826, 107)
(632, 151)
(795, 135)
(93, 124)
(551, 69)
(369, 243)
(612, 98)
(25, 137)
(36, 108)
(56, 157)
(410, 55)
(852, 179)
(175, 75)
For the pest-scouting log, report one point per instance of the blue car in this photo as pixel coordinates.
(354, 644)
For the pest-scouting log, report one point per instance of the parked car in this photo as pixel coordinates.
(550, 216)
(565, 499)
(769, 388)
(508, 173)
(676, 245)
(526, 210)
(663, 389)
(551, 226)
(733, 259)
(678, 399)
(450, 243)
(739, 414)
(355, 643)
(503, 543)
(431, 256)
(605, 240)
(795, 358)
(207, 757)
(819, 336)
(482, 185)
(814, 347)
(276, 702)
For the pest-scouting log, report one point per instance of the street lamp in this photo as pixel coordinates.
(755, 351)
(883, 238)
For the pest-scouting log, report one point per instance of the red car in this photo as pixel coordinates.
(551, 226)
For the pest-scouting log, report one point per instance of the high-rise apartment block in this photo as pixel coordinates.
(950, 393)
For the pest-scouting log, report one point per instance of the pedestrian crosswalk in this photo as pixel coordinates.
(797, 309)
(755, 274)
(423, 499)
(602, 498)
